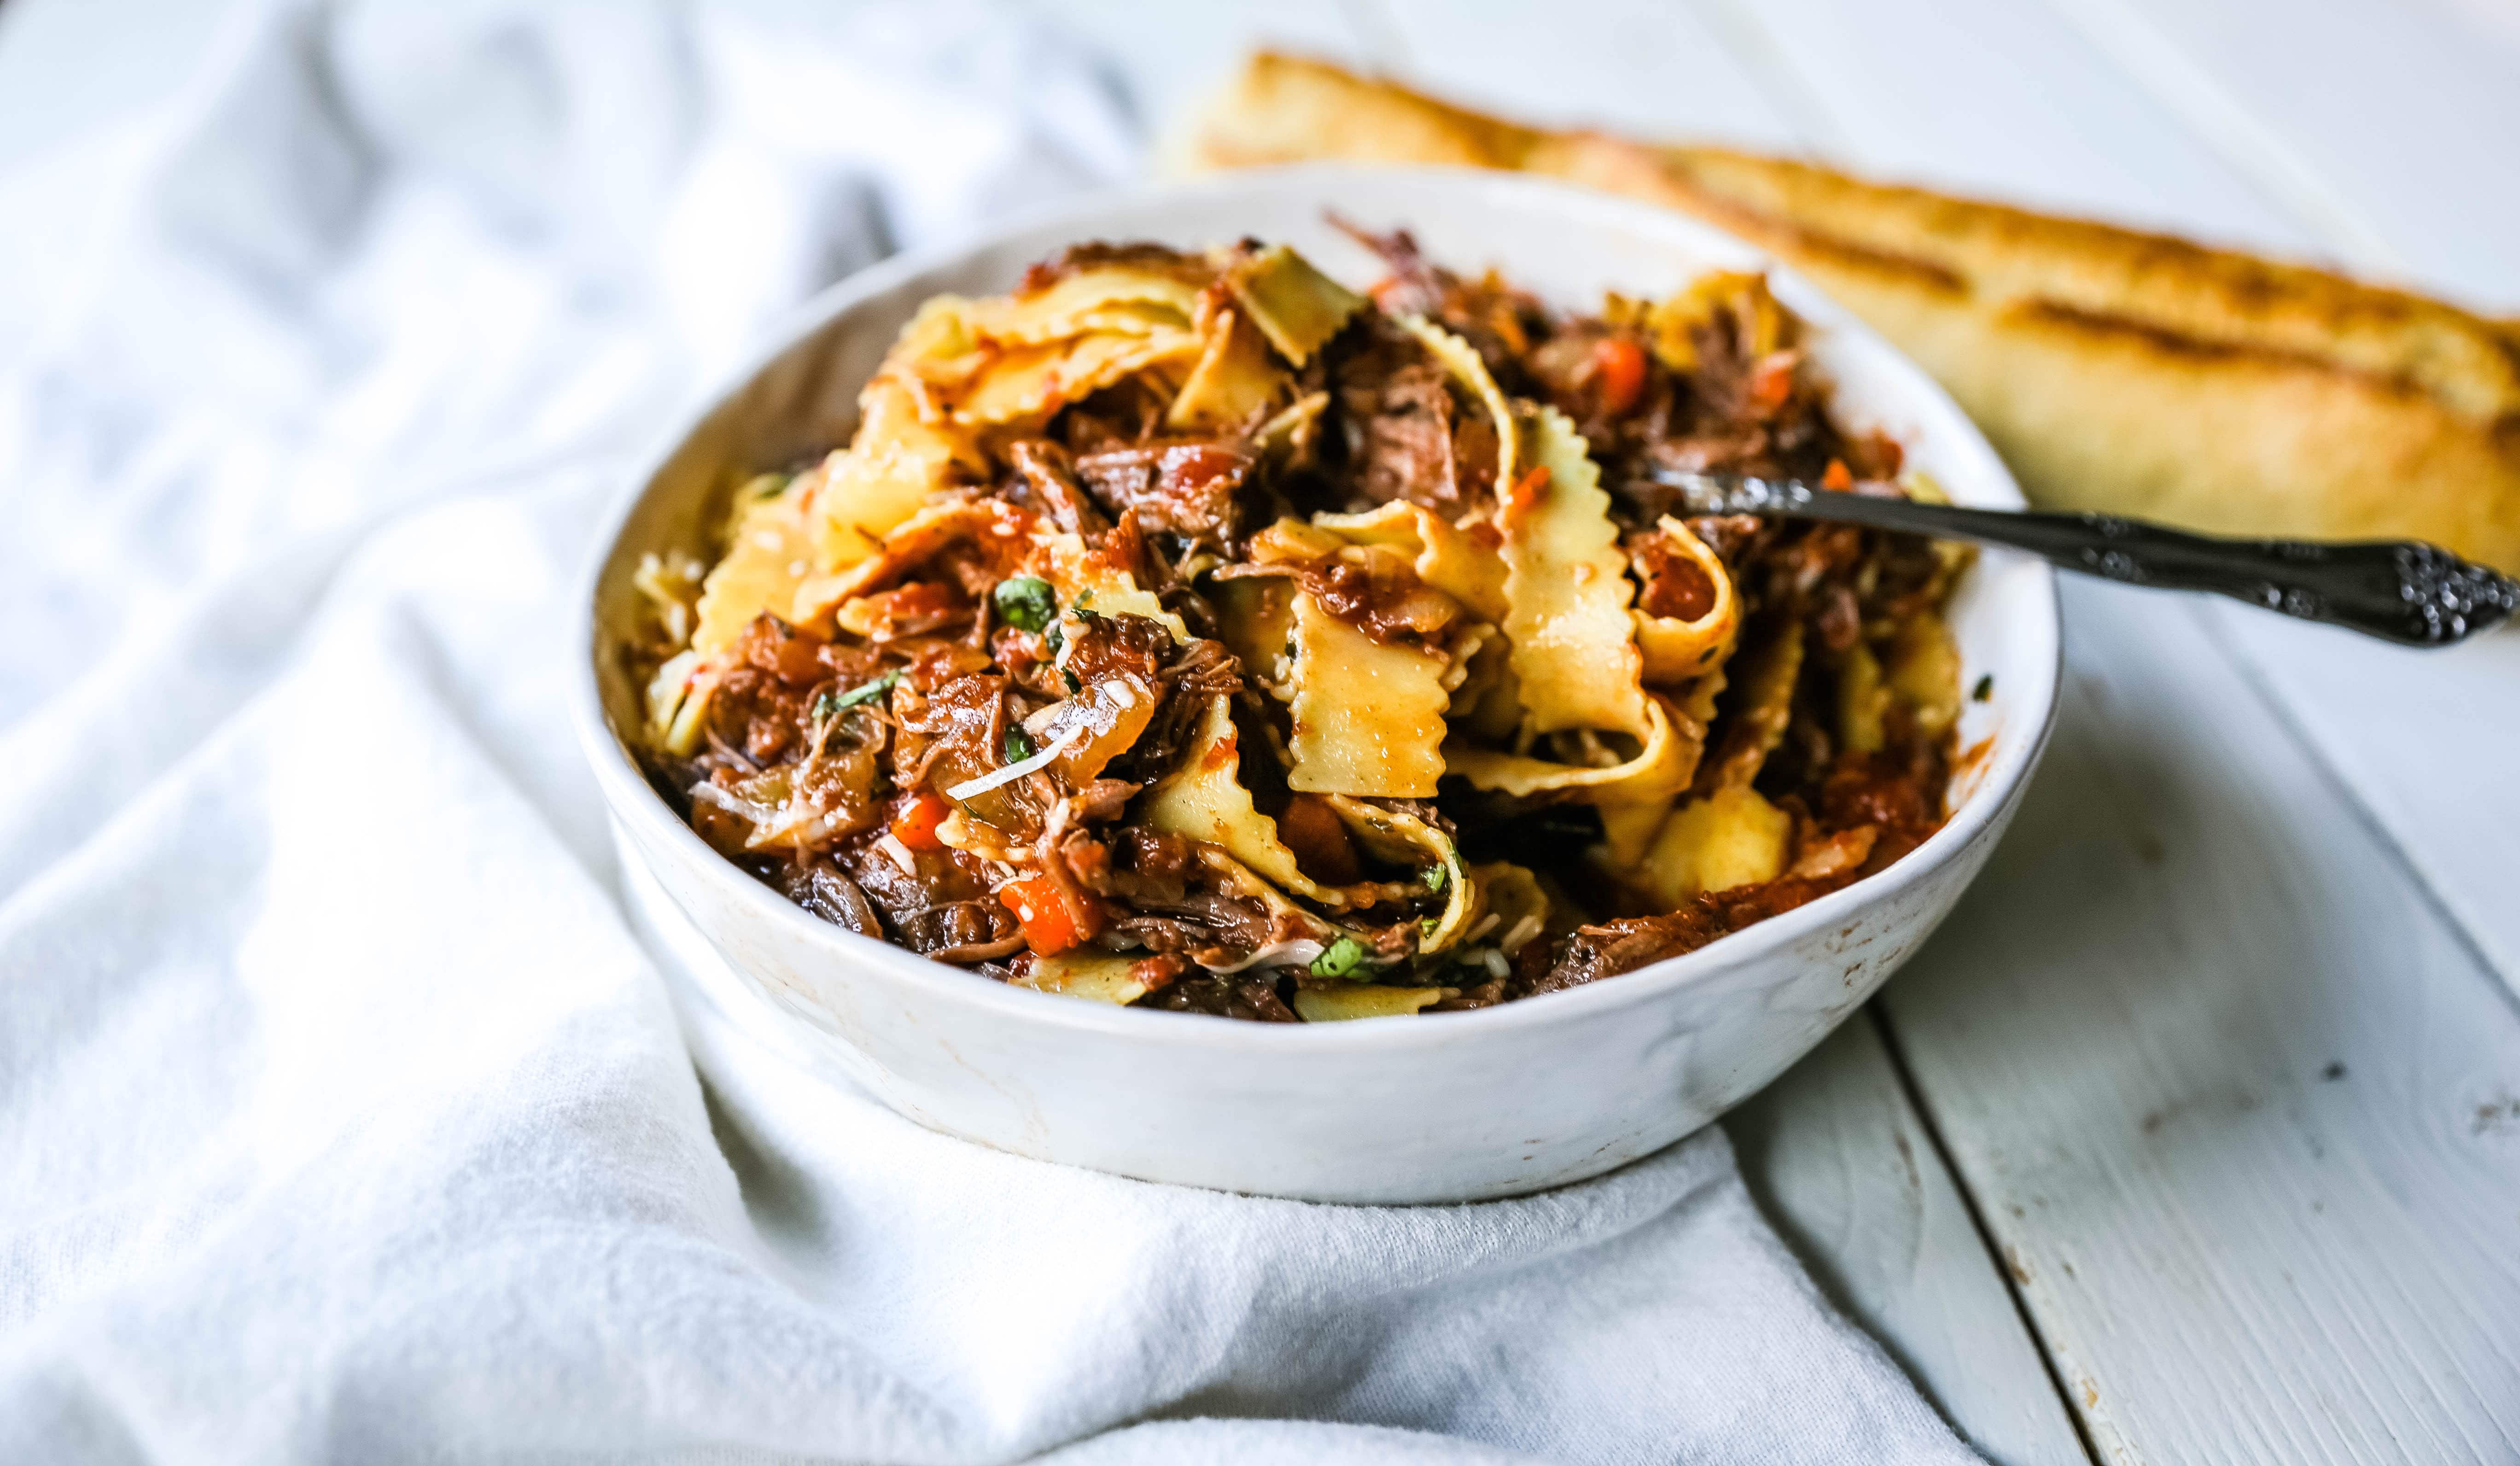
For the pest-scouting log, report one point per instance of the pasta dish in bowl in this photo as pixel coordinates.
(1186, 629)
(1285, 629)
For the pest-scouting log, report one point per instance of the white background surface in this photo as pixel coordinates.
(2196, 1135)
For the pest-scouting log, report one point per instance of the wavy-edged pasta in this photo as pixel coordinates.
(1188, 630)
(1566, 588)
(1368, 716)
(1444, 556)
(1203, 800)
(1677, 649)
(769, 552)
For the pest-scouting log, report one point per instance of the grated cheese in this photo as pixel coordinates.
(969, 788)
(900, 855)
(1296, 951)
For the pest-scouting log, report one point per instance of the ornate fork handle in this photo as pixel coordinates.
(2405, 591)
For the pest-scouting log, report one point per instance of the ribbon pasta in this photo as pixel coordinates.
(1368, 715)
(1567, 592)
(1675, 650)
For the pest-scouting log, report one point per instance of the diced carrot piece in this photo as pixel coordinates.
(1525, 495)
(1772, 381)
(915, 823)
(1052, 924)
(1620, 365)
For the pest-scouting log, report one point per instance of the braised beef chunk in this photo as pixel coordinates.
(1123, 644)
(1396, 403)
(1225, 997)
(973, 741)
(1043, 468)
(1499, 321)
(1609, 949)
(944, 909)
(819, 887)
(1191, 491)
(1673, 585)
(1207, 925)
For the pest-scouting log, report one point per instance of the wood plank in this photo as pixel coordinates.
(2391, 123)
(1996, 98)
(1170, 57)
(1843, 1166)
(2243, 1111)
(1642, 66)
(2424, 742)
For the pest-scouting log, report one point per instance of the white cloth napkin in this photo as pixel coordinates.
(341, 1115)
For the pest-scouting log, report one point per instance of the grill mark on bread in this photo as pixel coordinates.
(2127, 330)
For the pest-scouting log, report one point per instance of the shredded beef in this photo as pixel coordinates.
(820, 887)
(1398, 408)
(1190, 489)
(944, 908)
(1042, 468)
(1606, 950)
(1233, 996)
(1201, 924)
(1195, 675)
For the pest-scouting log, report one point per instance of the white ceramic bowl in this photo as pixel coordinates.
(1438, 1108)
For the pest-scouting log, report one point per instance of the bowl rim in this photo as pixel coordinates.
(629, 797)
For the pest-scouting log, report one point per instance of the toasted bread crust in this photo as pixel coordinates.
(2115, 369)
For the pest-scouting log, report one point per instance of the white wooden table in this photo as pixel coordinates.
(2196, 1135)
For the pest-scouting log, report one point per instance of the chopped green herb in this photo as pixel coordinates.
(1436, 876)
(1426, 926)
(1019, 745)
(1074, 682)
(1026, 602)
(1339, 958)
(1084, 600)
(1984, 690)
(864, 692)
(1053, 638)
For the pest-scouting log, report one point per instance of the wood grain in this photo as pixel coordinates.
(2003, 99)
(2427, 745)
(2419, 163)
(1843, 1166)
(2242, 1110)
(1636, 64)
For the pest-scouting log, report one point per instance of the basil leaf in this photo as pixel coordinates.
(1026, 603)
(1339, 958)
(864, 692)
